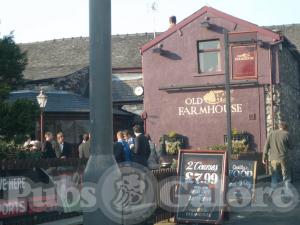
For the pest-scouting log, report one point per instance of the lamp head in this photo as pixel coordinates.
(42, 99)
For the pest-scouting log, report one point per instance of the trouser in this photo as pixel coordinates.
(280, 168)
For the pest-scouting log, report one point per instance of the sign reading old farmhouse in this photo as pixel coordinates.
(213, 102)
(202, 186)
(243, 62)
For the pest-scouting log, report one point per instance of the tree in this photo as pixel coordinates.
(12, 64)
(18, 119)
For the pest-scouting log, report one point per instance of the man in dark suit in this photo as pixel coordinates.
(64, 149)
(47, 148)
(141, 150)
(118, 152)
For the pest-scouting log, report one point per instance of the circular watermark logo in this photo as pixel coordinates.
(127, 195)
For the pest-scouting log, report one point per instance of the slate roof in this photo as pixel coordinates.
(291, 32)
(61, 101)
(123, 86)
(61, 57)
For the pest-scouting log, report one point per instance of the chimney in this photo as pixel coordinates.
(172, 21)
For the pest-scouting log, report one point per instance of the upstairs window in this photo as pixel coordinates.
(209, 56)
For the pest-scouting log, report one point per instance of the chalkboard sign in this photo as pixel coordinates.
(201, 188)
(242, 176)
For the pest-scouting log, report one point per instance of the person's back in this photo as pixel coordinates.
(153, 160)
(84, 147)
(141, 151)
(278, 142)
(118, 152)
(126, 150)
(276, 151)
(47, 149)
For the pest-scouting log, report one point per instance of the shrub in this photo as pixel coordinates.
(237, 146)
(11, 150)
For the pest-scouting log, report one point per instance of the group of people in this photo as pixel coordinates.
(139, 150)
(136, 148)
(56, 149)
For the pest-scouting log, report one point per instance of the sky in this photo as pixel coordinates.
(40, 20)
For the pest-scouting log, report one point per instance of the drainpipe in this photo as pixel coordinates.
(227, 91)
(271, 87)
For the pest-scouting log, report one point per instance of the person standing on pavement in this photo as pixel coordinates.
(277, 150)
(153, 160)
(84, 147)
(141, 150)
(47, 149)
(64, 149)
(125, 145)
(129, 139)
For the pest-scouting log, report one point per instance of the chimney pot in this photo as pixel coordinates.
(172, 21)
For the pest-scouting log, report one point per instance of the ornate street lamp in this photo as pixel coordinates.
(42, 101)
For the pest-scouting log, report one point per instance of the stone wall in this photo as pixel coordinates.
(272, 122)
(287, 103)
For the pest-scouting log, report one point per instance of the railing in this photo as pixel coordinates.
(22, 164)
(163, 192)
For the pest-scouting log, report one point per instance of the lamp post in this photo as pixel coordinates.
(101, 151)
(42, 101)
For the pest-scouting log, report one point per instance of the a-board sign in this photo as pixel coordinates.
(242, 176)
(201, 190)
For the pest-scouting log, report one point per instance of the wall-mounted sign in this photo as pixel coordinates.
(212, 102)
(202, 186)
(244, 62)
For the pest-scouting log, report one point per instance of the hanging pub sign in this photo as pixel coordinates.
(242, 176)
(201, 189)
(244, 62)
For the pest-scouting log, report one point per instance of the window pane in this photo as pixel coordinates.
(210, 62)
(203, 45)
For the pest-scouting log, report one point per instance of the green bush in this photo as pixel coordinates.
(217, 147)
(237, 147)
(11, 150)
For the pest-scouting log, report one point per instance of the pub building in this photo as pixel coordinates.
(184, 81)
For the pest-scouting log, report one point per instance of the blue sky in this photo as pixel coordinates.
(39, 20)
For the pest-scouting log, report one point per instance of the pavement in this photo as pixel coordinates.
(268, 213)
(265, 210)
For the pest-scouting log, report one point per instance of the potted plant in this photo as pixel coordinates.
(170, 145)
(238, 147)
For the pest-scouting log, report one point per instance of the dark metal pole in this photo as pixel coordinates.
(101, 157)
(42, 125)
(227, 90)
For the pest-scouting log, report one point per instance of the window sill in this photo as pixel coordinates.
(208, 74)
